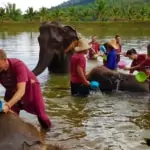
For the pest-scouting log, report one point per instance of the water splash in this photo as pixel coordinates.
(118, 84)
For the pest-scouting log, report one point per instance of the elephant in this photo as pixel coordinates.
(55, 42)
(16, 134)
(111, 80)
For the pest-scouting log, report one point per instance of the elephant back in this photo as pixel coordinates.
(129, 83)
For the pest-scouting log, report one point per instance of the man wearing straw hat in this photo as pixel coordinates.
(79, 83)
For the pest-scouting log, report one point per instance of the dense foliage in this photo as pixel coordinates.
(99, 10)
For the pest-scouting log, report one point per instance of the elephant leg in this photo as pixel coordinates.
(59, 64)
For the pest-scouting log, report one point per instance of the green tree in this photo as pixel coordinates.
(12, 12)
(2, 14)
(30, 14)
(99, 8)
(143, 12)
(43, 13)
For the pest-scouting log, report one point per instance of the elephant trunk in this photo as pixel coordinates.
(43, 62)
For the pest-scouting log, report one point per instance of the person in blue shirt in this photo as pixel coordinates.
(111, 55)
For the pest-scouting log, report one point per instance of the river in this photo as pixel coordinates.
(99, 122)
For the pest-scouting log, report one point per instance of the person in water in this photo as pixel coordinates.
(137, 59)
(119, 49)
(111, 55)
(145, 64)
(103, 53)
(94, 50)
(79, 83)
(22, 89)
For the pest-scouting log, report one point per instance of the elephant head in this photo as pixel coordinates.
(15, 134)
(110, 80)
(53, 40)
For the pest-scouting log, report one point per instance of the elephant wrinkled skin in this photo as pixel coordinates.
(53, 40)
(108, 80)
(15, 134)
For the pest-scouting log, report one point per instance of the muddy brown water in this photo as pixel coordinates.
(99, 122)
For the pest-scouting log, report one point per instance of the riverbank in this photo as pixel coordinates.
(139, 28)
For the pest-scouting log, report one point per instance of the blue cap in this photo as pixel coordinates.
(94, 85)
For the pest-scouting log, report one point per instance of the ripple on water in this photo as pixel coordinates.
(99, 122)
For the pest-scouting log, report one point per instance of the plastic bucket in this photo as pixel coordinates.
(103, 49)
(94, 85)
(105, 57)
(1, 106)
(121, 65)
(141, 76)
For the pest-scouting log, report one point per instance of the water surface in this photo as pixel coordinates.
(102, 122)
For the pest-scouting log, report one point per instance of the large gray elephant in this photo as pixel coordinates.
(110, 80)
(15, 134)
(53, 40)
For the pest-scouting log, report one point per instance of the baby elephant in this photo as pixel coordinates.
(110, 80)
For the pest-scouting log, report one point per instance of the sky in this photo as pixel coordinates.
(36, 4)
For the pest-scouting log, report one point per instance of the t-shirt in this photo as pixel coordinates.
(135, 62)
(111, 60)
(77, 59)
(95, 47)
(16, 73)
(119, 49)
(145, 65)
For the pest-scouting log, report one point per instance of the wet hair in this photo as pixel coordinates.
(105, 45)
(148, 49)
(2, 54)
(117, 36)
(130, 52)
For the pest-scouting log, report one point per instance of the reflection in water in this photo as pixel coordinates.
(102, 122)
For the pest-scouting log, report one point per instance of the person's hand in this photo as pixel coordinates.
(126, 68)
(148, 72)
(87, 83)
(5, 108)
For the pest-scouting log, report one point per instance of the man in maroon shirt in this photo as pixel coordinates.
(144, 65)
(79, 83)
(95, 47)
(137, 59)
(22, 89)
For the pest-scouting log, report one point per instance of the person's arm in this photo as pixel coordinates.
(22, 78)
(81, 64)
(81, 74)
(18, 95)
(132, 65)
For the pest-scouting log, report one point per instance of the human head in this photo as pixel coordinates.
(132, 54)
(94, 38)
(148, 49)
(83, 46)
(118, 39)
(3, 60)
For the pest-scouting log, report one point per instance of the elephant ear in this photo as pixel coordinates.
(56, 33)
(70, 38)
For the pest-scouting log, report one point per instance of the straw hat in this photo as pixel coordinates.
(83, 44)
(113, 44)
